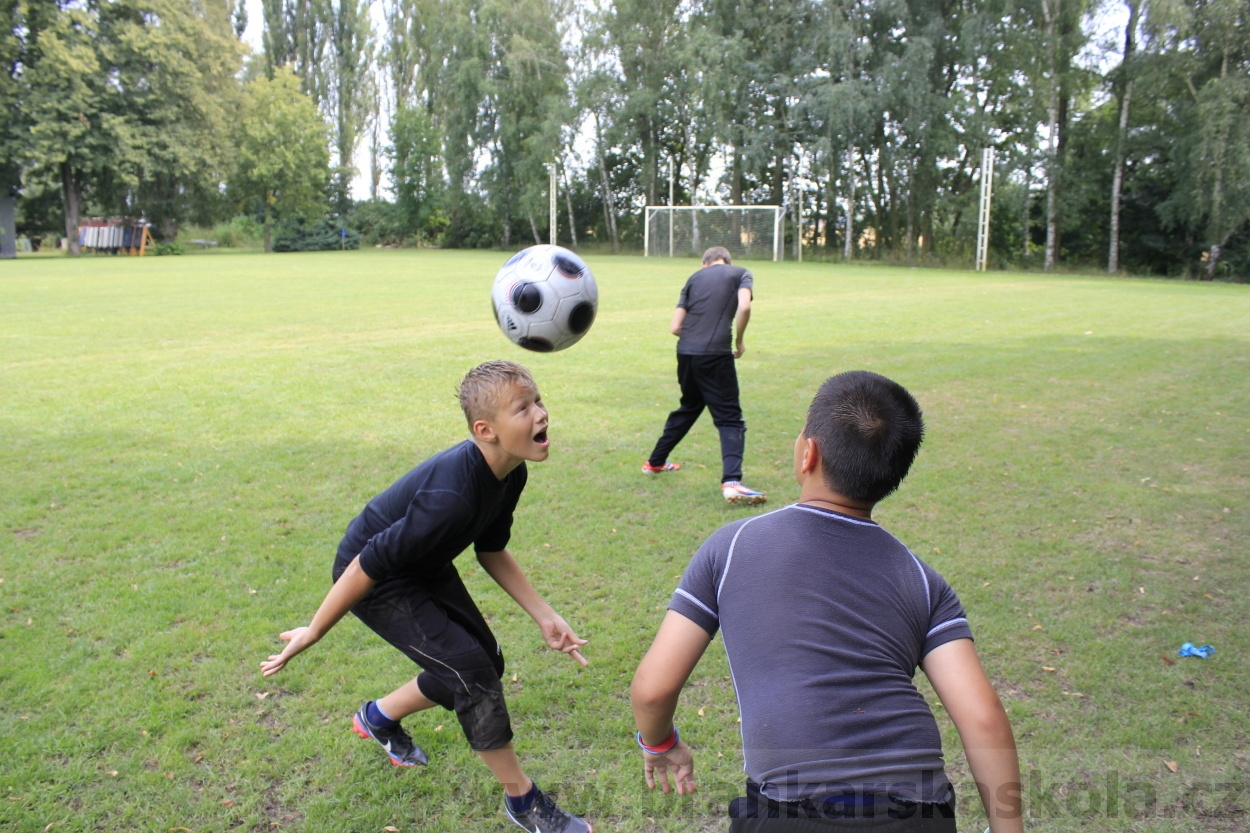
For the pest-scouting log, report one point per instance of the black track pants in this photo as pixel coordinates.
(707, 382)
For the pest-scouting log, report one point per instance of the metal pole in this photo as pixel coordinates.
(983, 220)
(798, 220)
(778, 229)
(555, 205)
(672, 180)
(646, 231)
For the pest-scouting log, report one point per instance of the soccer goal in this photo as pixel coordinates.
(747, 231)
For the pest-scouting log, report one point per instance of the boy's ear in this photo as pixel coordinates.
(810, 461)
(484, 431)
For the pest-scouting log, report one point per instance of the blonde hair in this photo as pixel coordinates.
(483, 388)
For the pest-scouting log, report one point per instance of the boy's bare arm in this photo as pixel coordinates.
(502, 567)
(352, 586)
(741, 320)
(679, 318)
(654, 692)
(978, 714)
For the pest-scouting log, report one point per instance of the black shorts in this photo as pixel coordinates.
(436, 624)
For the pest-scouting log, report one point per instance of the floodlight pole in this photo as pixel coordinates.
(555, 205)
(672, 181)
(778, 227)
(798, 219)
(983, 221)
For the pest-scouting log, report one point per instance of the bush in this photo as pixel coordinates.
(316, 236)
(241, 232)
(379, 221)
(174, 247)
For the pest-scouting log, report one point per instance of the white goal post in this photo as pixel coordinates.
(747, 231)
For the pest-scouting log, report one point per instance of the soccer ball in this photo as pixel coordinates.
(545, 298)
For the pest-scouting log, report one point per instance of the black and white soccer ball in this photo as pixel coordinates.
(545, 298)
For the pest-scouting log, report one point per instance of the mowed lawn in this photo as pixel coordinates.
(184, 440)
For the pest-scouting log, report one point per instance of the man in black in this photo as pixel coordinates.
(713, 298)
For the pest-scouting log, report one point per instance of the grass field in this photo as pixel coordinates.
(184, 440)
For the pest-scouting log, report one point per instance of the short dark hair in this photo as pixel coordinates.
(716, 253)
(868, 429)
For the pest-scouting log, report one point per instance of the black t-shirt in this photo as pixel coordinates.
(433, 513)
(825, 618)
(710, 298)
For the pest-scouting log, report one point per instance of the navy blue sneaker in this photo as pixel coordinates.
(397, 743)
(545, 817)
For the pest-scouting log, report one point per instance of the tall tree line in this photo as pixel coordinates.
(868, 116)
(865, 118)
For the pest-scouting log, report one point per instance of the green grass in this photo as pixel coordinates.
(184, 440)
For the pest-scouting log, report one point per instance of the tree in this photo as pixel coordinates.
(1124, 89)
(125, 103)
(644, 40)
(416, 170)
(296, 33)
(348, 89)
(1064, 39)
(330, 46)
(178, 62)
(526, 106)
(408, 48)
(283, 157)
(72, 131)
(1210, 50)
(13, 127)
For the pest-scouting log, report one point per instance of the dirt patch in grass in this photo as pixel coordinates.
(278, 814)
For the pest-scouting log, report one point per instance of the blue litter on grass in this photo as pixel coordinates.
(1191, 650)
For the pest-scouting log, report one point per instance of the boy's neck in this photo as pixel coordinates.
(501, 462)
(814, 489)
(825, 498)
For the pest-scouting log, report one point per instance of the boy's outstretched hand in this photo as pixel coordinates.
(560, 637)
(296, 641)
(677, 763)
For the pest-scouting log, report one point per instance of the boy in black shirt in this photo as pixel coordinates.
(714, 305)
(394, 571)
(825, 618)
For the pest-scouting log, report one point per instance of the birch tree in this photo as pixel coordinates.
(1124, 89)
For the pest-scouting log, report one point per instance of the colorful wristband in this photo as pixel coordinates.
(661, 748)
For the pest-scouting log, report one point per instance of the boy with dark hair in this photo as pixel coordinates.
(825, 618)
(394, 571)
(714, 305)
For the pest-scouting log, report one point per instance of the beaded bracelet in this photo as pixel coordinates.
(661, 748)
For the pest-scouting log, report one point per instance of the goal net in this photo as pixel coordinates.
(747, 231)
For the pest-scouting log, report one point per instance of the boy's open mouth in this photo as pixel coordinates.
(541, 437)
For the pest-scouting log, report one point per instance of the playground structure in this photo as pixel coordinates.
(116, 235)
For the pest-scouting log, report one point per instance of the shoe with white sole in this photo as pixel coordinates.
(737, 493)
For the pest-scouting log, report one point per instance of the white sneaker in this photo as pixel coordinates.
(736, 493)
